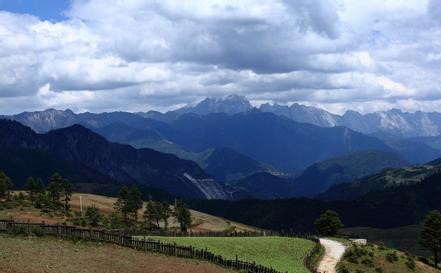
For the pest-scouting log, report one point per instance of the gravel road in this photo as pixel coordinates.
(333, 253)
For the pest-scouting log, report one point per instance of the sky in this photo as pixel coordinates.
(140, 55)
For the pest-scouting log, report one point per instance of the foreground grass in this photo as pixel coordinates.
(283, 254)
(379, 259)
(21, 254)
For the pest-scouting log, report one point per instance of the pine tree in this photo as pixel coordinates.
(5, 186)
(150, 214)
(182, 215)
(122, 205)
(134, 202)
(54, 191)
(93, 216)
(66, 191)
(128, 203)
(430, 236)
(31, 189)
(166, 212)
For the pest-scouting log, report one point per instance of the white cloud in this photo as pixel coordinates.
(136, 55)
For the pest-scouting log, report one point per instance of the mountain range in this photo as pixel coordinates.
(394, 121)
(273, 151)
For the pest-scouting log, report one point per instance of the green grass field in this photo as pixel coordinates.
(282, 254)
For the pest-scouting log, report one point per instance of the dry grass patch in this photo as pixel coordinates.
(50, 255)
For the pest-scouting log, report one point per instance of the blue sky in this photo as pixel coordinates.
(51, 10)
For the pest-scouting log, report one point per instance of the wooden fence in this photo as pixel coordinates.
(78, 233)
(190, 233)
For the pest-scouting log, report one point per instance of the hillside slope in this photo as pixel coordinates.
(121, 162)
(268, 138)
(388, 178)
(322, 175)
(394, 207)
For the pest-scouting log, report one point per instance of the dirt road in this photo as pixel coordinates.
(334, 252)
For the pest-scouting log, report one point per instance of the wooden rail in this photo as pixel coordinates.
(78, 233)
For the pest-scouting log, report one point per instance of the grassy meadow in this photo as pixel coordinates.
(283, 254)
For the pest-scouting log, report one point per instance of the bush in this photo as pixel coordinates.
(368, 262)
(410, 263)
(392, 257)
(343, 269)
(16, 230)
(359, 271)
(379, 270)
(424, 260)
(37, 231)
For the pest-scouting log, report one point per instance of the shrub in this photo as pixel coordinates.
(359, 271)
(423, 260)
(343, 269)
(392, 257)
(37, 231)
(15, 230)
(368, 262)
(410, 263)
(351, 256)
(379, 270)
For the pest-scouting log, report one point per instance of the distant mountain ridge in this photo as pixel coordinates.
(394, 121)
(386, 179)
(320, 176)
(343, 169)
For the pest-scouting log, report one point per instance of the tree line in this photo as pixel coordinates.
(155, 212)
(55, 197)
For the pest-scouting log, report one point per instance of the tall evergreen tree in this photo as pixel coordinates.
(54, 190)
(41, 197)
(134, 202)
(430, 236)
(182, 215)
(31, 189)
(150, 214)
(122, 204)
(166, 212)
(5, 186)
(66, 192)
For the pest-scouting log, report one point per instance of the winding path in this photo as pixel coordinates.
(333, 253)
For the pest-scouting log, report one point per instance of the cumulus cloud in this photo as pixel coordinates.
(139, 55)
